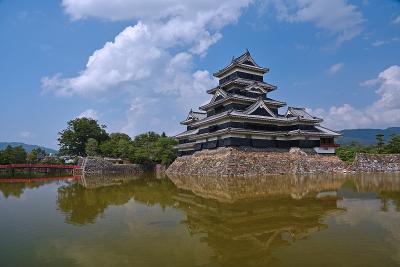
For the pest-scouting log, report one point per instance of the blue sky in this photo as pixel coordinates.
(141, 65)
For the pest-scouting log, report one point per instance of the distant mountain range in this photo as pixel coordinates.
(27, 147)
(366, 136)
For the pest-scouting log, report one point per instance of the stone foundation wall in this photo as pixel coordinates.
(160, 170)
(94, 165)
(237, 162)
(376, 163)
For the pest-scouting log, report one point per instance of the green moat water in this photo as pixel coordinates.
(143, 221)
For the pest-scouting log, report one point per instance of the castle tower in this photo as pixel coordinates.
(242, 114)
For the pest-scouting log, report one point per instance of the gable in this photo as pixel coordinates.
(259, 108)
(247, 59)
(261, 112)
(248, 62)
(219, 94)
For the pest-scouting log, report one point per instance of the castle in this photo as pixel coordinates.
(241, 114)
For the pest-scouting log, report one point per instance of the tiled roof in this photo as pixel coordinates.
(267, 101)
(242, 61)
(243, 82)
(299, 112)
(240, 114)
(194, 116)
(327, 131)
(187, 133)
(198, 115)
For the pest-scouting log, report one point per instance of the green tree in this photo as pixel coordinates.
(380, 142)
(36, 155)
(165, 151)
(73, 140)
(119, 145)
(92, 147)
(394, 144)
(19, 155)
(13, 155)
(2, 158)
(348, 152)
(144, 151)
(152, 148)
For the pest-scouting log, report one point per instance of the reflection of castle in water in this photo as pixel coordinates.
(230, 189)
(248, 231)
(282, 211)
(251, 217)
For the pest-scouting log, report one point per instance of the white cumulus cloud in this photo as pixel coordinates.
(383, 112)
(154, 9)
(152, 59)
(90, 113)
(338, 17)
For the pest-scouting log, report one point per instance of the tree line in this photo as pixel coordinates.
(348, 152)
(85, 137)
(18, 155)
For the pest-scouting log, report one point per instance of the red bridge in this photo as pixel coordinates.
(38, 166)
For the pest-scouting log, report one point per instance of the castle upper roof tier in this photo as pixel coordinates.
(221, 97)
(244, 84)
(244, 62)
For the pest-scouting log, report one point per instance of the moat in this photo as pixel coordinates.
(330, 220)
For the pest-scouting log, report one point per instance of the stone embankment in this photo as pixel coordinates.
(98, 166)
(238, 162)
(376, 163)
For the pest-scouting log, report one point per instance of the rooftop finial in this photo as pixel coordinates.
(247, 51)
(233, 58)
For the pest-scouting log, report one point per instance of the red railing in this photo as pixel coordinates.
(42, 166)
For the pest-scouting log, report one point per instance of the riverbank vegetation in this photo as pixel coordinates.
(18, 155)
(85, 137)
(348, 152)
